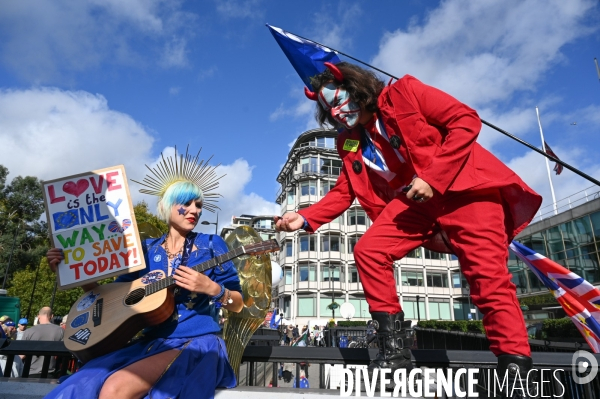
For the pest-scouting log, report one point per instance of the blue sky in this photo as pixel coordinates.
(91, 84)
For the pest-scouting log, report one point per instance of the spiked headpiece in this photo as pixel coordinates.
(180, 168)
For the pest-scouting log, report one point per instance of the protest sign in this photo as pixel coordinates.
(91, 219)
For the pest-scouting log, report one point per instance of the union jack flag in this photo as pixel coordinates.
(558, 168)
(579, 299)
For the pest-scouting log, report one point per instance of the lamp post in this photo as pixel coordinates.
(418, 309)
(468, 288)
(206, 223)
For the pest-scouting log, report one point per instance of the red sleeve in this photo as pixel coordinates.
(462, 125)
(332, 205)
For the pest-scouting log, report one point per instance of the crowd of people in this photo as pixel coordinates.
(43, 329)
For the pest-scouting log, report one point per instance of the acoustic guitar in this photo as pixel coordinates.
(107, 317)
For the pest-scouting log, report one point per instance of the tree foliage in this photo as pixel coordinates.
(143, 215)
(24, 282)
(23, 236)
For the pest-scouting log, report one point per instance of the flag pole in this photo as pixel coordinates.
(597, 68)
(526, 144)
(537, 111)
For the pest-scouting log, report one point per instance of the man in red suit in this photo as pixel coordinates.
(411, 159)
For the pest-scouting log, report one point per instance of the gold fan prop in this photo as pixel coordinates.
(255, 277)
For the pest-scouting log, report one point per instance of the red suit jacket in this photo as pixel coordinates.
(439, 133)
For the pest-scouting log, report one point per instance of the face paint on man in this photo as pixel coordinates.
(338, 102)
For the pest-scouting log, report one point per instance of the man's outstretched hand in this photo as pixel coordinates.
(289, 222)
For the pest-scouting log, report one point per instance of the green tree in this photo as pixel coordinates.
(24, 282)
(143, 215)
(23, 237)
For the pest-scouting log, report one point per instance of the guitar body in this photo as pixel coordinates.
(107, 317)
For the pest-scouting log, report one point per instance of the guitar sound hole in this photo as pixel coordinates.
(135, 296)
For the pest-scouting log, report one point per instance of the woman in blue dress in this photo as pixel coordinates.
(182, 357)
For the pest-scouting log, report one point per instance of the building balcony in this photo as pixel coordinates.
(411, 289)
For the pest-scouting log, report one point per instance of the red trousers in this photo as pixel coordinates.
(474, 224)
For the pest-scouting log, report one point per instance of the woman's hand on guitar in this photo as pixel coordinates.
(193, 281)
(55, 256)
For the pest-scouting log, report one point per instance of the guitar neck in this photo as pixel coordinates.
(209, 264)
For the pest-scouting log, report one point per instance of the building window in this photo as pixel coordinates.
(287, 301)
(307, 271)
(555, 242)
(326, 185)
(456, 280)
(289, 248)
(309, 164)
(409, 306)
(353, 276)
(361, 308)
(339, 220)
(308, 187)
(415, 253)
(352, 240)
(434, 255)
(326, 300)
(332, 272)
(306, 307)
(331, 167)
(288, 275)
(290, 198)
(357, 217)
(331, 243)
(307, 243)
(266, 224)
(324, 142)
(437, 280)
(412, 279)
(439, 309)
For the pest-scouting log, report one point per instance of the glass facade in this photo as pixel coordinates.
(573, 244)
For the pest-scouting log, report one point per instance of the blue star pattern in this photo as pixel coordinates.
(181, 210)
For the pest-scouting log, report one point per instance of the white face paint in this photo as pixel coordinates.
(337, 101)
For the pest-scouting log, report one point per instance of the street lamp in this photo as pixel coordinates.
(206, 223)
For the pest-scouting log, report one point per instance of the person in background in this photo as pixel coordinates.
(63, 322)
(11, 329)
(43, 331)
(21, 327)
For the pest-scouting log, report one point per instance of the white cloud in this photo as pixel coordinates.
(483, 52)
(532, 169)
(235, 201)
(334, 29)
(43, 41)
(240, 9)
(51, 133)
(174, 53)
(175, 90)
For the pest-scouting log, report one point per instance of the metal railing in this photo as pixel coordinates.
(428, 338)
(260, 361)
(581, 197)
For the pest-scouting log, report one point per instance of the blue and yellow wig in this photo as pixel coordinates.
(179, 193)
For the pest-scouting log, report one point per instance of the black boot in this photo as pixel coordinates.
(393, 342)
(520, 384)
